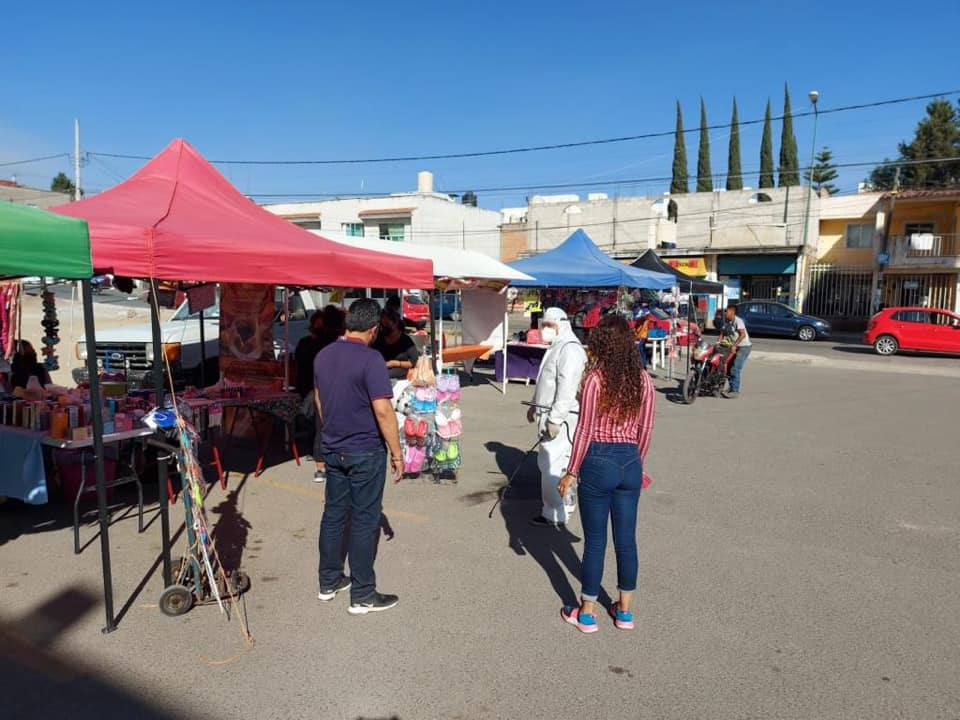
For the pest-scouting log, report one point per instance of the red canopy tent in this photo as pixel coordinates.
(178, 218)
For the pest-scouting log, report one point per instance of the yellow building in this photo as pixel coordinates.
(842, 279)
(885, 249)
(923, 249)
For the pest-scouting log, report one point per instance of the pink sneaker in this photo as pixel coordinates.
(623, 619)
(584, 623)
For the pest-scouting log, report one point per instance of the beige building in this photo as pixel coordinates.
(754, 241)
(14, 193)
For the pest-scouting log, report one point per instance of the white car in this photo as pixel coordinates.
(129, 349)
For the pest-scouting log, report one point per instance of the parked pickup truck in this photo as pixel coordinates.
(129, 349)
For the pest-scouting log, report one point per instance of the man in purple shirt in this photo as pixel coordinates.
(354, 397)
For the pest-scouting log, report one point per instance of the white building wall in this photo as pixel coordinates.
(434, 219)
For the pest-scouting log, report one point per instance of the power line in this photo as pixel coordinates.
(33, 160)
(596, 183)
(555, 146)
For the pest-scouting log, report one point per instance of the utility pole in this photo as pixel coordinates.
(76, 159)
(801, 256)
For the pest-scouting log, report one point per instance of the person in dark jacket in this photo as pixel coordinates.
(325, 327)
(25, 365)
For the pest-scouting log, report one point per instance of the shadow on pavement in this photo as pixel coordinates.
(231, 530)
(42, 684)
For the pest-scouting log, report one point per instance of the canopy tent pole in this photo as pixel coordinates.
(203, 350)
(440, 339)
(505, 338)
(96, 417)
(286, 338)
(159, 384)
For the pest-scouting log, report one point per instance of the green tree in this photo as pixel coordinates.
(789, 164)
(704, 176)
(766, 152)
(823, 173)
(680, 183)
(734, 172)
(61, 183)
(937, 136)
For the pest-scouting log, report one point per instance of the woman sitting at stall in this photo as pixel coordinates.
(25, 366)
(397, 348)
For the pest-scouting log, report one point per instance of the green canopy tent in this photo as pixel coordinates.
(34, 242)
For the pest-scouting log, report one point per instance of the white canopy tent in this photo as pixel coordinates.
(485, 319)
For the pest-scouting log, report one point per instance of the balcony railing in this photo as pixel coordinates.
(928, 245)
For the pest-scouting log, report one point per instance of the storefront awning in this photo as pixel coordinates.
(757, 265)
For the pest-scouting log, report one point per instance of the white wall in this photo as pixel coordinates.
(435, 219)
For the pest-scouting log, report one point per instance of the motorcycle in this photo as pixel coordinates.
(99, 283)
(709, 370)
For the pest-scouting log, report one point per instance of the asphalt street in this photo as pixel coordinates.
(798, 560)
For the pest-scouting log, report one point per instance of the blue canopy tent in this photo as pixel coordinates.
(579, 263)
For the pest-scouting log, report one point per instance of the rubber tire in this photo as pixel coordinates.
(685, 385)
(812, 333)
(176, 600)
(890, 342)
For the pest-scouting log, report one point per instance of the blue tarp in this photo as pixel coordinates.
(579, 263)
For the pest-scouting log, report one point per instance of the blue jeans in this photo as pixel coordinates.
(354, 491)
(736, 370)
(610, 479)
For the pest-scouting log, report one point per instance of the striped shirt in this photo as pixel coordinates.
(593, 427)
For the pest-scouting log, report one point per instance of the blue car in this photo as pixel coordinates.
(447, 306)
(773, 318)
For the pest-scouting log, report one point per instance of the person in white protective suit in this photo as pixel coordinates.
(555, 405)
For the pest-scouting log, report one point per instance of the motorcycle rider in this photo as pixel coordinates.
(554, 410)
(735, 332)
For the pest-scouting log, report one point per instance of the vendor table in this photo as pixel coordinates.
(86, 448)
(523, 362)
(658, 352)
(284, 406)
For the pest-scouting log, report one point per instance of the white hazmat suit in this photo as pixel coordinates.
(556, 404)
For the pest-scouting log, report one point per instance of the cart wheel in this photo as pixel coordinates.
(175, 600)
(241, 582)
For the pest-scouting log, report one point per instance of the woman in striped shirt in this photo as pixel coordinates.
(611, 441)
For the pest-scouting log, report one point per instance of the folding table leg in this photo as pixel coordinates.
(76, 504)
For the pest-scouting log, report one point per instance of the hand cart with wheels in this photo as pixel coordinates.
(199, 579)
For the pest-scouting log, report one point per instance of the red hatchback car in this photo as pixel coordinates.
(914, 328)
(416, 312)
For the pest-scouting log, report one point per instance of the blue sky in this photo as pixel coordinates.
(293, 80)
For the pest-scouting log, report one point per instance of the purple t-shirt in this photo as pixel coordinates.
(349, 376)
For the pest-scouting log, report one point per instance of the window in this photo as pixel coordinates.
(298, 310)
(859, 235)
(394, 232)
(918, 229)
(755, 309)
(779, 311)
(760, 198)
(912, 316)
(352, 229)
(307, 223)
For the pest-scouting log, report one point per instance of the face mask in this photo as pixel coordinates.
(548, 335)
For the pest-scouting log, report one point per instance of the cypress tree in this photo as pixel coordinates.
(789, 164)
(734, 172)
(680, 183)
(704, 177)
(766, 152)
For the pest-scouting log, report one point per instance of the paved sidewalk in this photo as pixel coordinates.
(798, 560)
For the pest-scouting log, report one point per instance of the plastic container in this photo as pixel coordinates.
(69, 468)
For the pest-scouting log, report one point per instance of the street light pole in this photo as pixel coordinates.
(814, 96)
